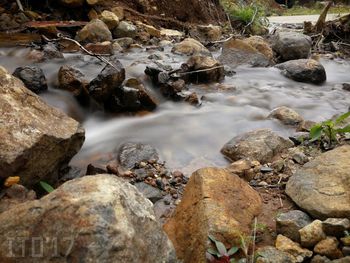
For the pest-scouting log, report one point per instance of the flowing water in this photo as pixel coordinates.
(189, 137)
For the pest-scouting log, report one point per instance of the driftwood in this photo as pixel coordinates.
(322, 19)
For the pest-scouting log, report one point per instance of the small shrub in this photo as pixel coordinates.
(220, 254)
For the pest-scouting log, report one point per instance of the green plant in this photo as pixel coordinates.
(48, 188)
(220, 254)
(329, 130)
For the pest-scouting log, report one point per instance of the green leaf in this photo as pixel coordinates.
(232, 260)
(212, 238)
(48, 188)
(316, 132)
(232, 251)
(342, 117)
(328, 123)
(221, 248)
(213, 252)
(344, 129)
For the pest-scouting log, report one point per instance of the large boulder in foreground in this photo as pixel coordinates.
(36, 139)
(215, 202)
(304, 70)
(97, 218)
(261, 145)
(322, 186)
(291, 45)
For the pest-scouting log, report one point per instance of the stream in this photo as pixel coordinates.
(186, 136)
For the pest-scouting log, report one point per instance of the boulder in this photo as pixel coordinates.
(36, 139)
(291, 45)
(289, 224)
(33, 78)
(285, 244)
(214, 202)
(261, 145)
(273, 255)
(260, 44)
(189, 47)
(329, 248)
(303, 70)
(311, 234)
(336, 226)
(125, 29)
(287, 116)
(321, 187)
(97, 218)
(110, 19)
(236, 52)
(94, 31)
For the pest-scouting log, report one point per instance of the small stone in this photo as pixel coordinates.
(33, 78)
(346, 251)
(150, 192)
(289, 224)
(124, 42)
(240, 168)
(299, 157)
(329, 248)
(265, 169)
(125, 29)
(336, 226)
(311, 234)
(345, 240)
(286, 115)
(320, 259)
(285, 244)
(110, 19)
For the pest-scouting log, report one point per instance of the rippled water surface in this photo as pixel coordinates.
(190, 137)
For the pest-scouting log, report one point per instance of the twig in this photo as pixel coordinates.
(20, 6)
(195, 71)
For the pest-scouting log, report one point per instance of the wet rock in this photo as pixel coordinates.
(33, 78)
(70, 173)
(210, 70)
(336, 226)
(206, 33)
(236, 52)
(72, 3)
(273, 255)
(260, 44)
(151, 30)
(286, 115)
(50, 51)
(94, 31)
(125, 29)
(131, 153)
(104, 219)
(93, 170)
(14, 195)
(329, 248)
(261, 145)
(291, 45)
(289, 224)
(311, 234)
(150, 192)
(124, 42)
(303, 70)
(285, 244)
(320, 259)
(105, 48)
(214, 202)
(110, 19)
(346, 86)
(321, 187)
(190, 46)
(37, 139)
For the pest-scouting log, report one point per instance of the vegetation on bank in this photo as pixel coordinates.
(315, 9)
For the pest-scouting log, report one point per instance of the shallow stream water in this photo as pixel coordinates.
(189, 137)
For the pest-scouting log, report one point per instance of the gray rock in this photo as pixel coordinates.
(273, 255)
(261, 145)
(125, 29)
(320, 259)
(33, 78)
(289, 224)
(124, 42)
(321, 187)
(336, 226)
(150, 192)
(36, 139)
(95, 31)
(303, 70)
(97, 218)
(131, 153)
(291, 45)
(311, 234)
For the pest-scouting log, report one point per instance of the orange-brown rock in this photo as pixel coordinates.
(215, 202)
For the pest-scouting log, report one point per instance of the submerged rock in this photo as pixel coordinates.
(94, 31)
(33, 78)
(304, 70)
(97, 218)
(215, 202)
(321, 187)
(36, 139)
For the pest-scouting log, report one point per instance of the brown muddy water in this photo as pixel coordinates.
(189, 137)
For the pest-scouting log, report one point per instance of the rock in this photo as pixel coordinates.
(150, 192)
(33, 78)
(118, 11)
(303, 70)
(104, 48)
(298, 156)
(289, 224)
(273, 255)
(346, 86)
(50, 51)
(214, 202)
(261, 145)
(189, 47)
(100, 218)
(171, 33)
(291, 45)
(37, 139)
(346, 251)
(243, 169)
(110, 19)
(236, 52)
(320, 259)
(329, 248)
(200, 63)
(286, 115)
(285, 244)
(311, 234)
(154, 32)
(206, 33)
(346, 240)
(94, 31)
(131, 153)
(336, 226)
(102, 88)
(14, 195)
(321, 187)
(72, 3)
(260, 44)
(342, 260)
(125, 29)
(124, 42)
(93, 2)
